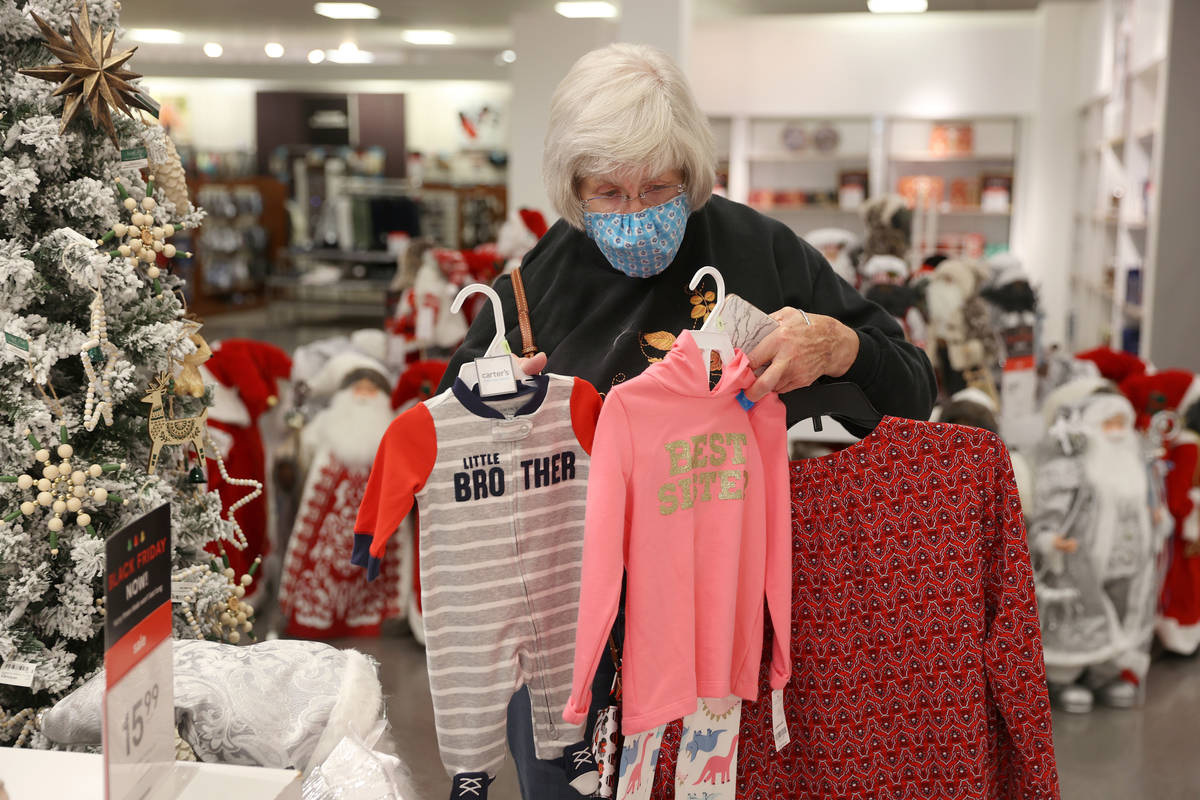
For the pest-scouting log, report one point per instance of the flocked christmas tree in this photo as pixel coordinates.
(95, 333)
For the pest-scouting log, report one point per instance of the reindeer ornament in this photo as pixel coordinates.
(171, 431)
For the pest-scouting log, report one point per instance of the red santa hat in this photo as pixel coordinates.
(418, 382)
(535, 221)
(1169, 390)
(1116, 365)
(250, 368)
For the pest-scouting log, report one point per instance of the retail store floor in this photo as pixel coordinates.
(1149, 754)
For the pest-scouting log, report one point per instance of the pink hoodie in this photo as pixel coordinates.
(689, 494)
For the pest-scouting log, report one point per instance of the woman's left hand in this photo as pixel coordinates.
(799, 352)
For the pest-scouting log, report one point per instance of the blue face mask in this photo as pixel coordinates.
(643, 243)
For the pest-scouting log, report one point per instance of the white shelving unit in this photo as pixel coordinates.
(1120, 167)
(776, 165)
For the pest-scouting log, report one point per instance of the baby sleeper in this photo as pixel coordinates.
(501, 485)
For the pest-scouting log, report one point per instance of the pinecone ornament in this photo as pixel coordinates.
(169, 175)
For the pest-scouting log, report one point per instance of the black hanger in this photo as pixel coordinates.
(841, 399)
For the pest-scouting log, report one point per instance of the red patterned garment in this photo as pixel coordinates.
(321, 594)
(916, 650)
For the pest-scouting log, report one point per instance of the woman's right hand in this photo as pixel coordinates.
(1063, 545)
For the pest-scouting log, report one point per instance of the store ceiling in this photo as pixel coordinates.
(482, 27)
(284, 15)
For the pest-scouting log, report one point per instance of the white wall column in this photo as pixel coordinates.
(1045, 188)
(665, 24)
(546, 46)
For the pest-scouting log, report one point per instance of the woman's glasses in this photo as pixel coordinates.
(616, 200)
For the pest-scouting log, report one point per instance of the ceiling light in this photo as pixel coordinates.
(213, 49)
(422, 36)
(316, 56)
(349, 53)
(508, 56)
(585, 10)
(346, 10)
(897, 6)
(273, 50)
(155, 35)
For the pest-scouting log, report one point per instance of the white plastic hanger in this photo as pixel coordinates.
(498, 346)
(712, 335)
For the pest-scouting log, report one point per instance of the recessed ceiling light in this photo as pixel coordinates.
(346, 10)
(424, 36)
(273, 50)
(508, 56)
(316, 56)
(156, 35)
(213, 49)
(349, 53)
(585, 10)
(897, 6)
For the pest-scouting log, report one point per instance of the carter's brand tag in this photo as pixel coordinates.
(779, 721)
(510, 430)
(17, 673)
(495, 375)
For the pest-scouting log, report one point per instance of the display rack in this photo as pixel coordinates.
(1119, 151)
(803, 171)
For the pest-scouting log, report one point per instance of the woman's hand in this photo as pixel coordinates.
(799, 352)
(532, 365)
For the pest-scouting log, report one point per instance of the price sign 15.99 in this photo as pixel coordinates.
(139, 706)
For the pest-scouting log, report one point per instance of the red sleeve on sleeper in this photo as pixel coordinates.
(403, 463)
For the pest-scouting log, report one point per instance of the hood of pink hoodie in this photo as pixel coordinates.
(684, 371)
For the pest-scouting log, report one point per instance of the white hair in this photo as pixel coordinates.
(625, 108)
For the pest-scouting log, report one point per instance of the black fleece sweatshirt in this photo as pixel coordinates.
(597, 323)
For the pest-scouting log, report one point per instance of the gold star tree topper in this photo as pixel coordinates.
(89, 72)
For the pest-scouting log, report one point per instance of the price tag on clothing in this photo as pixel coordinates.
(779, 721)
(17, 673)
(496, 375)
(139, 704)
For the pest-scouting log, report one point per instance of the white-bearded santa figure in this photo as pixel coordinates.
(321, 594)
(1097, 548)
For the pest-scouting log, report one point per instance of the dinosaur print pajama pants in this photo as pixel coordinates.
(707, 765)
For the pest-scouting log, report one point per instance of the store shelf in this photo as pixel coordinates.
(974, 211)
(358, 256)
(1146, 135)
(1147, 70)
(810, 158)
(1132, 312)
(805, 209)
(914, 158)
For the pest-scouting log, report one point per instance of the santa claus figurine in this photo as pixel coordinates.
(321, 595)
(1095, 548)
(244, 375)
(1156, 398)
(884, 281)
(961, 342)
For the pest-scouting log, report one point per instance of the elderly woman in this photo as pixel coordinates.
(629, 167)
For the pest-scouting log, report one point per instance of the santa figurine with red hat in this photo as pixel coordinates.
(1096, 544)
(321, 594)
(244, 375)
(1168, 404)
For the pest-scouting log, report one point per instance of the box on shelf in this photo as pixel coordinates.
(921, 189)
(996, 193)
(951, 139)
(852, 189)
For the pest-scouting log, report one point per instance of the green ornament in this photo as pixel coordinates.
(96, 355)
(196, 475)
